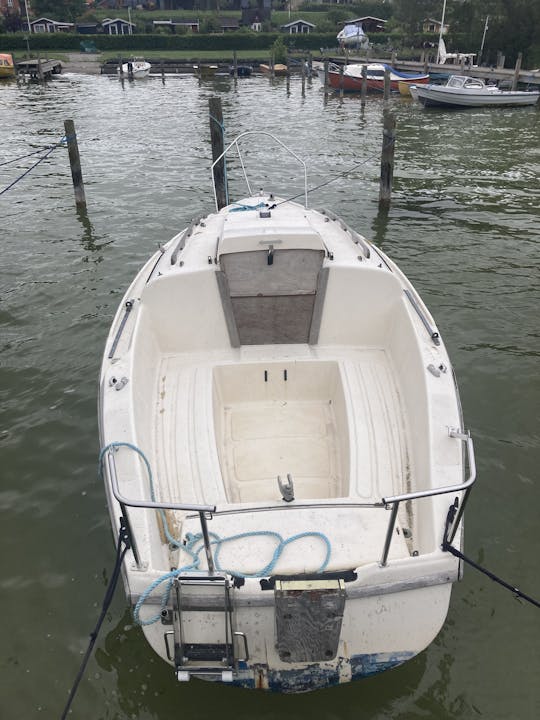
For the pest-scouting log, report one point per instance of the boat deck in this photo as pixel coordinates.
(226, 429)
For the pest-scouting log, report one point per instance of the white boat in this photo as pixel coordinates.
(281, 433)
(462, 91)
(353, 36)
(136, 69)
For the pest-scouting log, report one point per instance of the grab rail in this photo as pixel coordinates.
(234, 143)
(466, 486)
(394, 501)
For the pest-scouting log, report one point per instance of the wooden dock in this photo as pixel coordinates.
(38, 69)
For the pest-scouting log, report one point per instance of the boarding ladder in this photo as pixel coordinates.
(203, 628)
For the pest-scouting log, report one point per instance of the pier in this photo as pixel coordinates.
(38, 69)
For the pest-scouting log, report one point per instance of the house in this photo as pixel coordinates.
(117, 27)
(369, 23)
(229, 24)
(298, 27)
(46, 25)
(434, 26)
(190, 25)
(10, 7)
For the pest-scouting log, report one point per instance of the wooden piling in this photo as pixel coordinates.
(75, 163)
(235, 65)
(218, 146)
(363, 92)
(162, 68)
(387, 157)
(516, 71)
(386, 83)
(341, 71)
(326, 77)
(120, 68)
(272, 71)
(303, 72)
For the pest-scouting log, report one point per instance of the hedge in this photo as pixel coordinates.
(196, 41)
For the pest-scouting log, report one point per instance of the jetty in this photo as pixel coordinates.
(38, 69)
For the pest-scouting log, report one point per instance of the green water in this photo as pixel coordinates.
(463, 224)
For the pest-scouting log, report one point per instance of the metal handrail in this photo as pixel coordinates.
(394, 501)
(234, 143)
(466, 486)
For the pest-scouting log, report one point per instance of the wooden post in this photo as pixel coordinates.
(387, 157)
(235, 65)
(517, 71)
(326, 77)
(393, 58)
(364, 85)
(303, 71)
(120, 68)
(40, 69)
(500, 59)
(341, 71)
(386, 83)
(272, 71)
(75, 163)
(162, 67)
(310, 65)
(218, 146)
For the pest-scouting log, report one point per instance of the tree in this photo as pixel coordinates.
(61, 10)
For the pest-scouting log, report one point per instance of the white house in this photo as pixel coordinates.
(298, 27)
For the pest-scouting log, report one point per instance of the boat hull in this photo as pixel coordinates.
(312, 581)
(443, 97)
(351, 83)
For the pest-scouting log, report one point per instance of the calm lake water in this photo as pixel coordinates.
(463, 224)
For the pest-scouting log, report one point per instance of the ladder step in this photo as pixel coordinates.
(207, 652)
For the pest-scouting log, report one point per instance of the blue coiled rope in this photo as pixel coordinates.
(194, 544)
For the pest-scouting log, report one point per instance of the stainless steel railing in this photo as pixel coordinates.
(391, 502)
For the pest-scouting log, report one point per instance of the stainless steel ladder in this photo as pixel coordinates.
(210, 652)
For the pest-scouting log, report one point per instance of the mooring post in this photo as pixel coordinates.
(393, 58)
(272, 71)
(387, 157)
(517, 71)
(235, 64)
(326, 78)
(162, 68)
(303, 71)
(341, 71)
(364, 85)
(310, 65)
(40, 69)
(217, 137)
(386, 83)
(75, 163)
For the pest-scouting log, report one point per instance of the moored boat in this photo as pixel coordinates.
(136, 69)
(277, 69)
(281, 442)
(462, 91)
(351, 78)
(7, 66)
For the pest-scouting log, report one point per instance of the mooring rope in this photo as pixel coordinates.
(194, 544)
(122, 547)
(457, 553)
(40, 160)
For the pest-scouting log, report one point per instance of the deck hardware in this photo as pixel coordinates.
(243, 637)
(432, 333)
(128, 307)
(166, 636)
(118, 384)
(434, 370)
(270, 256)
(285, 375)
(266, 376)
(210, 261)
(265, 213)
(166, 617)
(443, 368)
(286, 489)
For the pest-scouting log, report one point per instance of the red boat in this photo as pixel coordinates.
(352, 77)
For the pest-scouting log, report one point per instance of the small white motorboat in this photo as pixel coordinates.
(462, 91)
(136, 69)
(282, 443)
